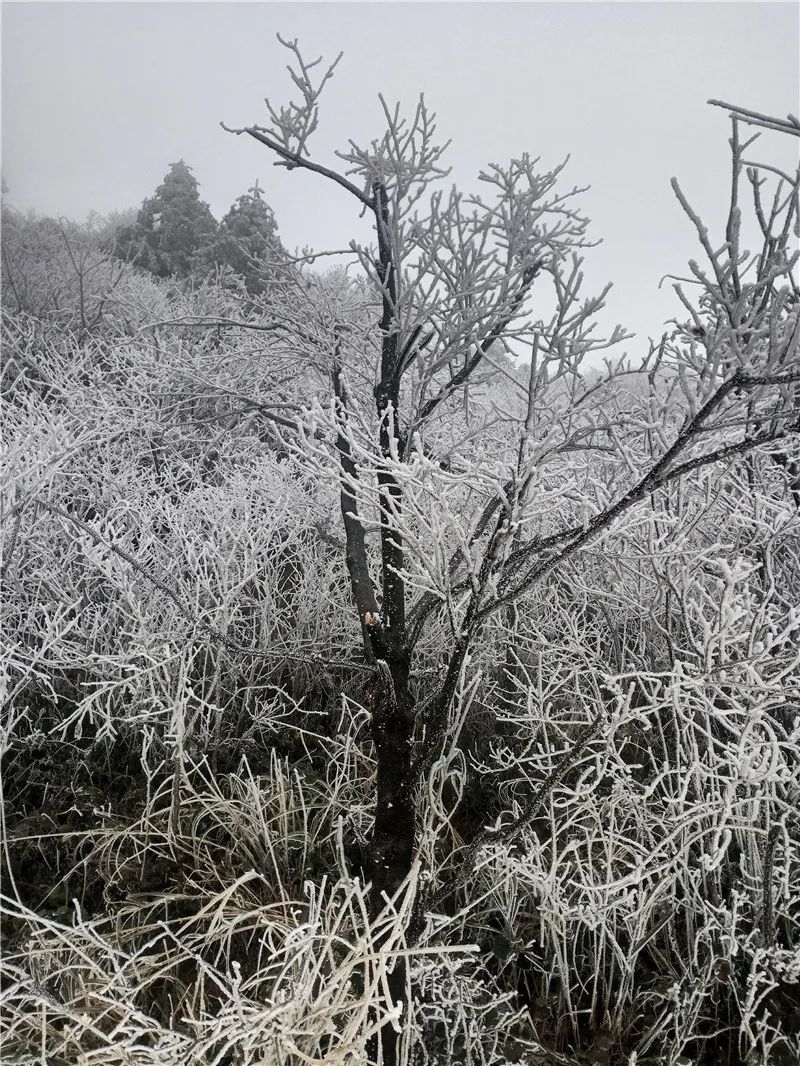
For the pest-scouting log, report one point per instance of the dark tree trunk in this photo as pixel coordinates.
(383, 625)
(392, 846)
(392, 730)
(392, 850)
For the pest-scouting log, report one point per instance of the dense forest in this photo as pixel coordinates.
(394, 670)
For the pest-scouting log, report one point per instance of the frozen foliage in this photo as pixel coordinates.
(576, 590)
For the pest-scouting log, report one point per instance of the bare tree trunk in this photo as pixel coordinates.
(383, 625)
(392, 731)
(392, 845)
(392, 850)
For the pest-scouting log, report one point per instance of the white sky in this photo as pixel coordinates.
(98, 99)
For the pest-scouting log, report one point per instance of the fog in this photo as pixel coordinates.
(98, 99)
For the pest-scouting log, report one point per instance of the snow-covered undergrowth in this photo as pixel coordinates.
(188, 769)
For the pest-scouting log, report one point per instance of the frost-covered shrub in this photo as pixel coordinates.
(596, 672)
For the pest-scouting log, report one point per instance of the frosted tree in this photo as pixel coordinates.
(172, 227)
(247, 243)
(456, 288)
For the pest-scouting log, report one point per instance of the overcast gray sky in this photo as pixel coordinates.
(99, 98)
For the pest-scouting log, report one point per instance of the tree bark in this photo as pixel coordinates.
(383, 624)
(392, 850)
(392, 846)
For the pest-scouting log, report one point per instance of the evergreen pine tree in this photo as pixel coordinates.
(247, 241)
(172, 228)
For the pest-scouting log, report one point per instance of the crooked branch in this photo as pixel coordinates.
(294, 159)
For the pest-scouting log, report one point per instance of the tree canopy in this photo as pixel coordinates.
(173, 227)
(247, 242)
